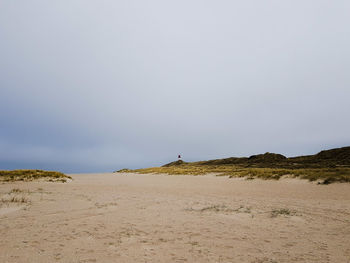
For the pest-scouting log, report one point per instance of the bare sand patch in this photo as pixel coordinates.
(156, 218)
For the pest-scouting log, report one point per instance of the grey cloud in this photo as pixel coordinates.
(100, 85)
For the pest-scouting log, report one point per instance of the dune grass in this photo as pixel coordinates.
(324, 175)
(30, 175)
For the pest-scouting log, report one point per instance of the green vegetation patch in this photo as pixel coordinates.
(30, 175)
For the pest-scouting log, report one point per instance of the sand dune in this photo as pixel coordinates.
(158, 218)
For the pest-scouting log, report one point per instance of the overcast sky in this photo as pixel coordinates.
(90, 86)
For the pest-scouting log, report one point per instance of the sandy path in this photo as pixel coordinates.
(153, 218)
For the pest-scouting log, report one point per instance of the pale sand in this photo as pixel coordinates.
(156, 218)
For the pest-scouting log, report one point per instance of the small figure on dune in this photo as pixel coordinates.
(179, 157)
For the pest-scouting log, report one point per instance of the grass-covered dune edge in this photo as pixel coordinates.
(325, 167)
(31, 175)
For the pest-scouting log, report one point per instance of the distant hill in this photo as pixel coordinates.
(324, 159)
(324, 167)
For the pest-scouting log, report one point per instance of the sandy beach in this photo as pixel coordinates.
(160, 218)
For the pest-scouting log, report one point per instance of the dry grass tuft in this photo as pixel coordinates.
(14, 199)
(282, 211)
(17, 190)
(221, 208)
